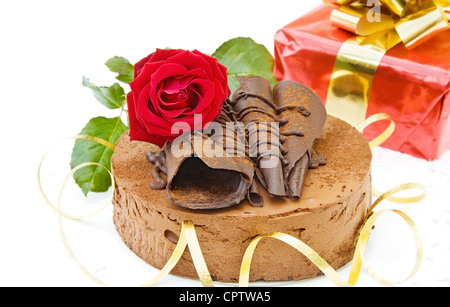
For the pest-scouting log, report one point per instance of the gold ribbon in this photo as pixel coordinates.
(409, 21)
(389, 22)
(189, 238)
(358, 258)
(371, 217)
(383, 136)
(56, 208)
(351, 81)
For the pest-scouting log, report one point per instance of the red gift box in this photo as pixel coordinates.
(412, 86)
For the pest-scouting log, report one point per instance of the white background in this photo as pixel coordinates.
(46, 48)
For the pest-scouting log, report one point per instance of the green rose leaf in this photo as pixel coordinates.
(123, 67)
(243, 56)
(112, 97)
(95, 178)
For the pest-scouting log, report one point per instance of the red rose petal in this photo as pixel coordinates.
(154, 123)
(219, 71)
(172, 115)
(171, 102)
(164, 54)
(166, 71)
(144, 77)
(139, 65)
(186, 80)
(138, 131)
(171, 86)
(192, 61)
(143, 104)
(205, 90)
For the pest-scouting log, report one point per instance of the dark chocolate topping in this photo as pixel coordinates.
(158, 159)
(253, 102)
(205, 177)
(304, 116)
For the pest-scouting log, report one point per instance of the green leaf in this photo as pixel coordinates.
(243, 56)
(112, 97)
(95, 178)
(123, 67)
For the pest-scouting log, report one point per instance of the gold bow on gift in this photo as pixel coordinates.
(386, 23)
(378, 25)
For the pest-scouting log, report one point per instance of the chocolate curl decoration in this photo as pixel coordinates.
(239, 147)
(200, 174)
(303, 117)
(253, 104)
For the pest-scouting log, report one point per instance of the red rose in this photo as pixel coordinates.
(171, 86)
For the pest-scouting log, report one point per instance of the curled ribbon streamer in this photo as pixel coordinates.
(57, 209)
(383, 136)
(362, 242)
(377, 141)
(60, 214)
(197, 255)
(173, 260)
(98, 140)
(358, 258)
(187, 236)
(295, 243)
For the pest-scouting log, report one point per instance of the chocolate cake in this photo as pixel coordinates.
(319, 191)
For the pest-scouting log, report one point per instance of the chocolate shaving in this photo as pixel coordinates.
(201, 179)
(253, 103)
(158, 159)
(254, 195)
(304, 116)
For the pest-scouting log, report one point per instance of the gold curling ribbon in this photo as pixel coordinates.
(358, 258)
(187, 236)
(376, 32)
(383, 136)
(57, 209)
(60, 214)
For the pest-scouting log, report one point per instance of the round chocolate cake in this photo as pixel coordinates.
(326, 212)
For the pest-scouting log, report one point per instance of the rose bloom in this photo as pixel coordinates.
(171, 86)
